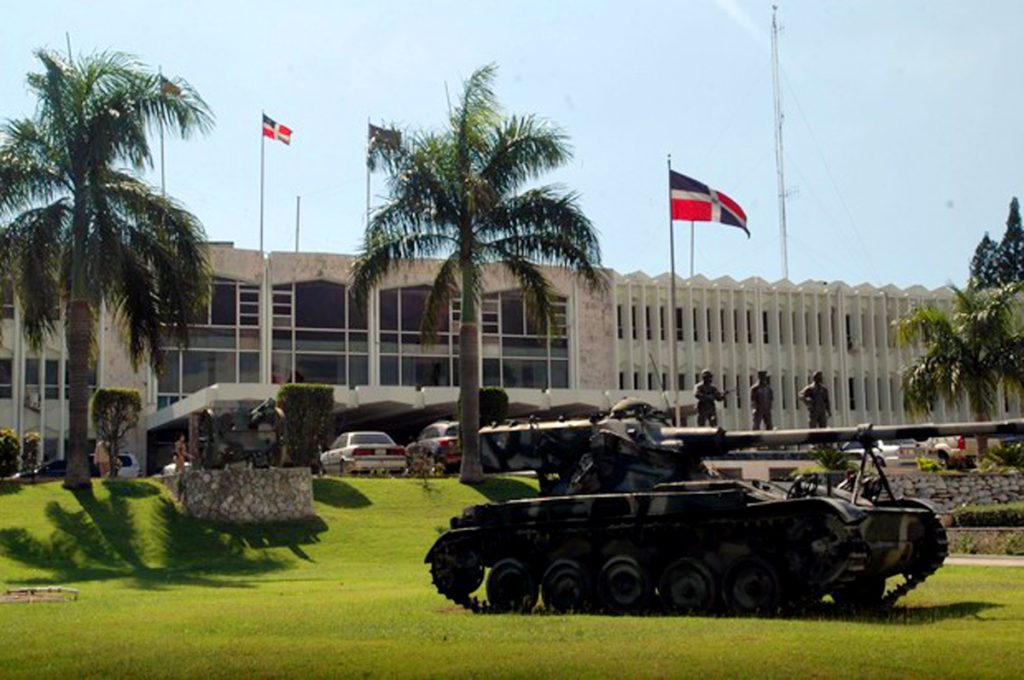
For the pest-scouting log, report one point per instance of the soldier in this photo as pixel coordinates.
(761, 398)
(706, 395)
(815, 395)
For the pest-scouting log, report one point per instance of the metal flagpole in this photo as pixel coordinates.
(672, 300)
(163, 184)
(367, 172)
(691, 249)
(298, 205)
(263, 146)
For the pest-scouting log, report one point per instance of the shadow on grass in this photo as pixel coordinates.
(498, 489)
(9, 488)
(339, 494)
(104, 540)
(130, 489)
(897, 615)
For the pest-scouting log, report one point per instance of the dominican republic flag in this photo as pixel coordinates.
(275, 130)
(698, 202)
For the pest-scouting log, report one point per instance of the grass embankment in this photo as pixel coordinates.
(168, 596)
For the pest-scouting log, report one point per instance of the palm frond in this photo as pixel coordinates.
(445, 286)
(523, 148)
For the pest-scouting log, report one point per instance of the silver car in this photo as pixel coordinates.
(363, 452)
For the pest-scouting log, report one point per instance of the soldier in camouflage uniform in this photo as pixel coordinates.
(761, 398)
(706, 395)
(815, 396)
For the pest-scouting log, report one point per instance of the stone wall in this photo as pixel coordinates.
(245, 495)
(950, 491)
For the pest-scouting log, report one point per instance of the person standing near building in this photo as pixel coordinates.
(101, 456)
(815, 396)
(706, 395)
(761, 398)
(180, 453)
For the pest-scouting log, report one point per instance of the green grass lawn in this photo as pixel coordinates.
(167, 596)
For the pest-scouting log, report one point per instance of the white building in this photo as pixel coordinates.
(290, 316)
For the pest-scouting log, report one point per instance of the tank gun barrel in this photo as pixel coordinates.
(724, 441)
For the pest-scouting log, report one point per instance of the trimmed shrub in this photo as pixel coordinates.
(928, 465)
(1005, 515)
(959, 462)
(832, 459)
(493, 405)
(308, 412)
(115, 410)
(10, 448)
(30, 452)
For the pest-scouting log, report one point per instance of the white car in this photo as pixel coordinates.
(363, 452)
(887, 452)
(129, 466)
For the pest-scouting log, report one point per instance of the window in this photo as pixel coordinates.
(679, 323)
(849, 333)
(618, 320)
(51, 374)
(707, 321)
(764, 328)
(696, 333)
(853, 396)
(636, 380)
(647, 322)
(721, 323)
(632, 318)
(650, 381)
(661, 321)
(622, 380)
(6, 378)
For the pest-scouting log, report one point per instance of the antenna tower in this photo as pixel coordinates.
(777, 98)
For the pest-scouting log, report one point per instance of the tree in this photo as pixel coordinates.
(968, 352)
(1011, 248)
(9, 449)
(309, 413)
(985, 263)
(79, 227)
(458, 195)
(115, 411)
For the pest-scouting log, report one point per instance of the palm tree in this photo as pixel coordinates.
(458, 196)
(79, 227)
(970, 351)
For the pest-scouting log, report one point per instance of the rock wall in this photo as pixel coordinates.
(950, 491)
(245, 495)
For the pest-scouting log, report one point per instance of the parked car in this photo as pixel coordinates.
(886, 451)
(363, 452)
(55, 469)
(171, 468)
(440, 441)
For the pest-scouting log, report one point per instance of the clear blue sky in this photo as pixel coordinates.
(903, 127)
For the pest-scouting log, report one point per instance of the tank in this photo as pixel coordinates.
(251, 433)
(631, 520)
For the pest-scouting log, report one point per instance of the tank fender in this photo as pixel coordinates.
(450, 535)
(923, 503)
(847, 512)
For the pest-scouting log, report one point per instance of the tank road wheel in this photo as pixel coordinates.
(623, 586)
(457, 571)
(510, 588)
(752, 587)
(687, 587)
(566, 586)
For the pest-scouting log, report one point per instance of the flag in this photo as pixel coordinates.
(275, 130)
(697, 202)
(383, 136)
(169, 88)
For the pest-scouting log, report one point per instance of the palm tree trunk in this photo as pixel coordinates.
(79, 331)
(471, 471)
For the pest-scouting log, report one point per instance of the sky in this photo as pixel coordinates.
(902, 126)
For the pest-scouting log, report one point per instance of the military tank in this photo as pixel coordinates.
(631, 520)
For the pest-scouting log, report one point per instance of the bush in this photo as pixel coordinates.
(115, 410)
(30, 452)
(1006, 515)
(959, 462)
(928, 465)
(832, 459)
(1005, 456)
(493, 405)
(308, 411)
(10, 448)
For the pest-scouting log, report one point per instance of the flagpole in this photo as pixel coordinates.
(367, 172)
(691, 249)
(163, 185)
(263, 147)
(672, 301)
(298, 205)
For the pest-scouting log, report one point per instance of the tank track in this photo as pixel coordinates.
(934, 549)
(857, 556)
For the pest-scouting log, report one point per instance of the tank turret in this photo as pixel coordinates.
(631, 520)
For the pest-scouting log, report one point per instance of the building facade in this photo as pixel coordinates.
(292, 317)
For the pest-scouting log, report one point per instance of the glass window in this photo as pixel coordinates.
(212, 338)
(451, 431)
(319, 304)
(525, 373)
(560, 374)
(413, 303)
(492, 373)
(356, 313)
(512, 315)
(389, 309)
(202, 369)
(358, 370)
(328, 369)
(319, 341)
(6, 374)
(222, 304)
(389, 370)
(52, 379)
(425, 371)
(370, 438)
(280, 367)
(249, 367)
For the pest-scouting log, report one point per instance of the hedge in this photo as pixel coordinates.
(308, 412)
(493, 405)
(1004, 515)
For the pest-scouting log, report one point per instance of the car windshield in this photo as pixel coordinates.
(369, 438)
(451, 431)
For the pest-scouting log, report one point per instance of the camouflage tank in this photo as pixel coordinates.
(631, 520)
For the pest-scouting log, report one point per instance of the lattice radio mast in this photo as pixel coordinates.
(777, 97)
